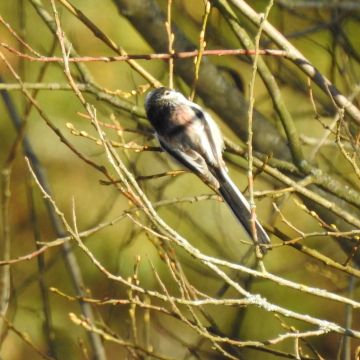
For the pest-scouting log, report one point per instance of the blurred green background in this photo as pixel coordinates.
(208, 225)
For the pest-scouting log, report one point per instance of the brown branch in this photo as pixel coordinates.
(299, 59)
(154, 56)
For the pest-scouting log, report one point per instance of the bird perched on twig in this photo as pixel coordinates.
(191, 136)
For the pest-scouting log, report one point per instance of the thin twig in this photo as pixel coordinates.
(202, 45)
(154, 56)
(250, 134)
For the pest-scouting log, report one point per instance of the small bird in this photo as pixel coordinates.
(191, 136)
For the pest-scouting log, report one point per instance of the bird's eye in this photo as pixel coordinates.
(167, 92)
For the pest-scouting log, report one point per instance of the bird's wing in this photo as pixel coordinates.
(215, 142)
(192, 160)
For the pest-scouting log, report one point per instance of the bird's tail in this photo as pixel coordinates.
(241, 208)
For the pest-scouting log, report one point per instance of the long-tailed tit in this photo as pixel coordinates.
(191, 136)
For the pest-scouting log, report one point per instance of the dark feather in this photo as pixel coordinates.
(241, 209)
